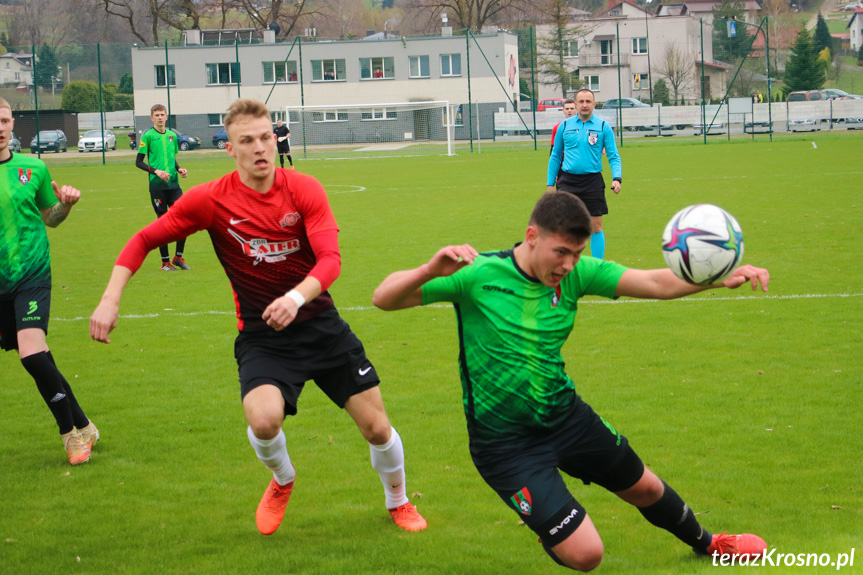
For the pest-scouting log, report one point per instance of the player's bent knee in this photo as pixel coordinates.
(377, 432)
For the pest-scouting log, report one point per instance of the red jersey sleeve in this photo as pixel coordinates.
(322, 231)
(191, 213)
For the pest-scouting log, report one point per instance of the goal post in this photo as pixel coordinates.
(371, 130)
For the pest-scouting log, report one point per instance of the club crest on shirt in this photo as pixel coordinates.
(555, 297)
(266, 250)
(290, 219)
(24, 175)
(522, 502)
(592, 138)
(171, 139)
(158, 202)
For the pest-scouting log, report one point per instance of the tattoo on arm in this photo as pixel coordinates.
(57, 214)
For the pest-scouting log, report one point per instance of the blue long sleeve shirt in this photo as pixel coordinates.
(583, 143)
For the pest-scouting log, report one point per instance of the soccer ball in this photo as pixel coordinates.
(702, 244)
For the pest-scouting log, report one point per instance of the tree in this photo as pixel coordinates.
(677, 69)
(556, 47)
(822, 38)
(781, 18)
(287, 13)
(462, 14)
(725, 48)
(660, 93)
(860, 56)
(81, 96)
(127, 85)
(803, 71)
(45, 74)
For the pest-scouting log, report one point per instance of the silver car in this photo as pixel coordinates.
(95, 141)
(14, 143)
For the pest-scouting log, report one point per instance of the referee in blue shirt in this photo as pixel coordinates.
(577, 156)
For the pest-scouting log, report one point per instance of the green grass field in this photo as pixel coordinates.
(746, 403)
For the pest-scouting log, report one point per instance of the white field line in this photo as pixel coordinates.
(172, 313)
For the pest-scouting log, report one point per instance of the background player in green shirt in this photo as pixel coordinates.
(159, 146)
(29, 201)
(526, 423)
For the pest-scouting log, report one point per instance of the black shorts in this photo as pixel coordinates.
(284, 148)
(526, 473)
(24, 309)
(589, 187)
(164, 199)
(323, 349)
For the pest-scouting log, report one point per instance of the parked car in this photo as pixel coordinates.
(615, 103)
(96, 141)
(220, 138)
(551, 104)
(14, 144)
(836, 93)
(804, 125)
(808, 96)
(54, 140)
(185, 142)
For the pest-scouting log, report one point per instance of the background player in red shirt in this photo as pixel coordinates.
(276, 236)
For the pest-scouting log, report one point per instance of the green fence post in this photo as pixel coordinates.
(619, 89)
(302, 95)
(469, 107)
(168, 84)
(237, 56)
(101, 101)
(533, 86)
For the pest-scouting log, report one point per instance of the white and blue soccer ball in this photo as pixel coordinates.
(702, 244)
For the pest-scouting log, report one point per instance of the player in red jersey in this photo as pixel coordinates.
(276, 236)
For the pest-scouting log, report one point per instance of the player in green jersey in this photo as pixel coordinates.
(159, 146)
(29, 201)
(515, 310)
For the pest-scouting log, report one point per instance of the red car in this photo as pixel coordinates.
(552, 104)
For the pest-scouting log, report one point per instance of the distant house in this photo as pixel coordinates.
(703, 9)
(16, 69)
(855, 29)
(645, 44)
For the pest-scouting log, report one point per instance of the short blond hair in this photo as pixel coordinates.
(5, 104)
(245, 107)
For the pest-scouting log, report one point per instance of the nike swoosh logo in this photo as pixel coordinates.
(365, 371)
(235, 222)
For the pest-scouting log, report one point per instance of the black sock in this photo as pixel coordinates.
(81, 421)
(181, 247)
(49, 381)
(673, 515)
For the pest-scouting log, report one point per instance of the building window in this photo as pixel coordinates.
(160, 76)
(592, 83)
(378, 114)
(450, 64)
(570, 49)
(419, 66)
(215, 119)
(223, 73)
(330, 116)
(377, 68)
(328, 70)
(277, 115)
(280, 72)
(640, 82)
(639, 45)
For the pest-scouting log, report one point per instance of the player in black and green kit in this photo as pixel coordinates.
(29, 201)
(515, 309)
(159, 146)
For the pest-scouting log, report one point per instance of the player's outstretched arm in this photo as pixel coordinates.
(663, 284)
(401, 290)
(104, 318)
(57, 214)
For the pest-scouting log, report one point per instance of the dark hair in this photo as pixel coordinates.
(562, 213)
(569, 101)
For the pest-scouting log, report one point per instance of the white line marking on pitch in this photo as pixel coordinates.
(582, 302)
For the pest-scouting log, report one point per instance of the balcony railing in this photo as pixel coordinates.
(601, 60)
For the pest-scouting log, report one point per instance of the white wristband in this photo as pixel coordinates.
(297, 297)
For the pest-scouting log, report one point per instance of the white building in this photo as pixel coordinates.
(855, 29)
(647, 48)
(16, 69)
(201, 79)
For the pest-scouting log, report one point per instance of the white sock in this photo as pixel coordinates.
(273, 453)
(389, 461)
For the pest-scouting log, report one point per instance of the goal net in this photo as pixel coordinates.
(371, 130)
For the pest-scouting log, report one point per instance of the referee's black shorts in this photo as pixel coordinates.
(590, 188)
(323, 349)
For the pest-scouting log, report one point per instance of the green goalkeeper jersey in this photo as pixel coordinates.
(25, 189)
(511, 329)
(161, 151)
